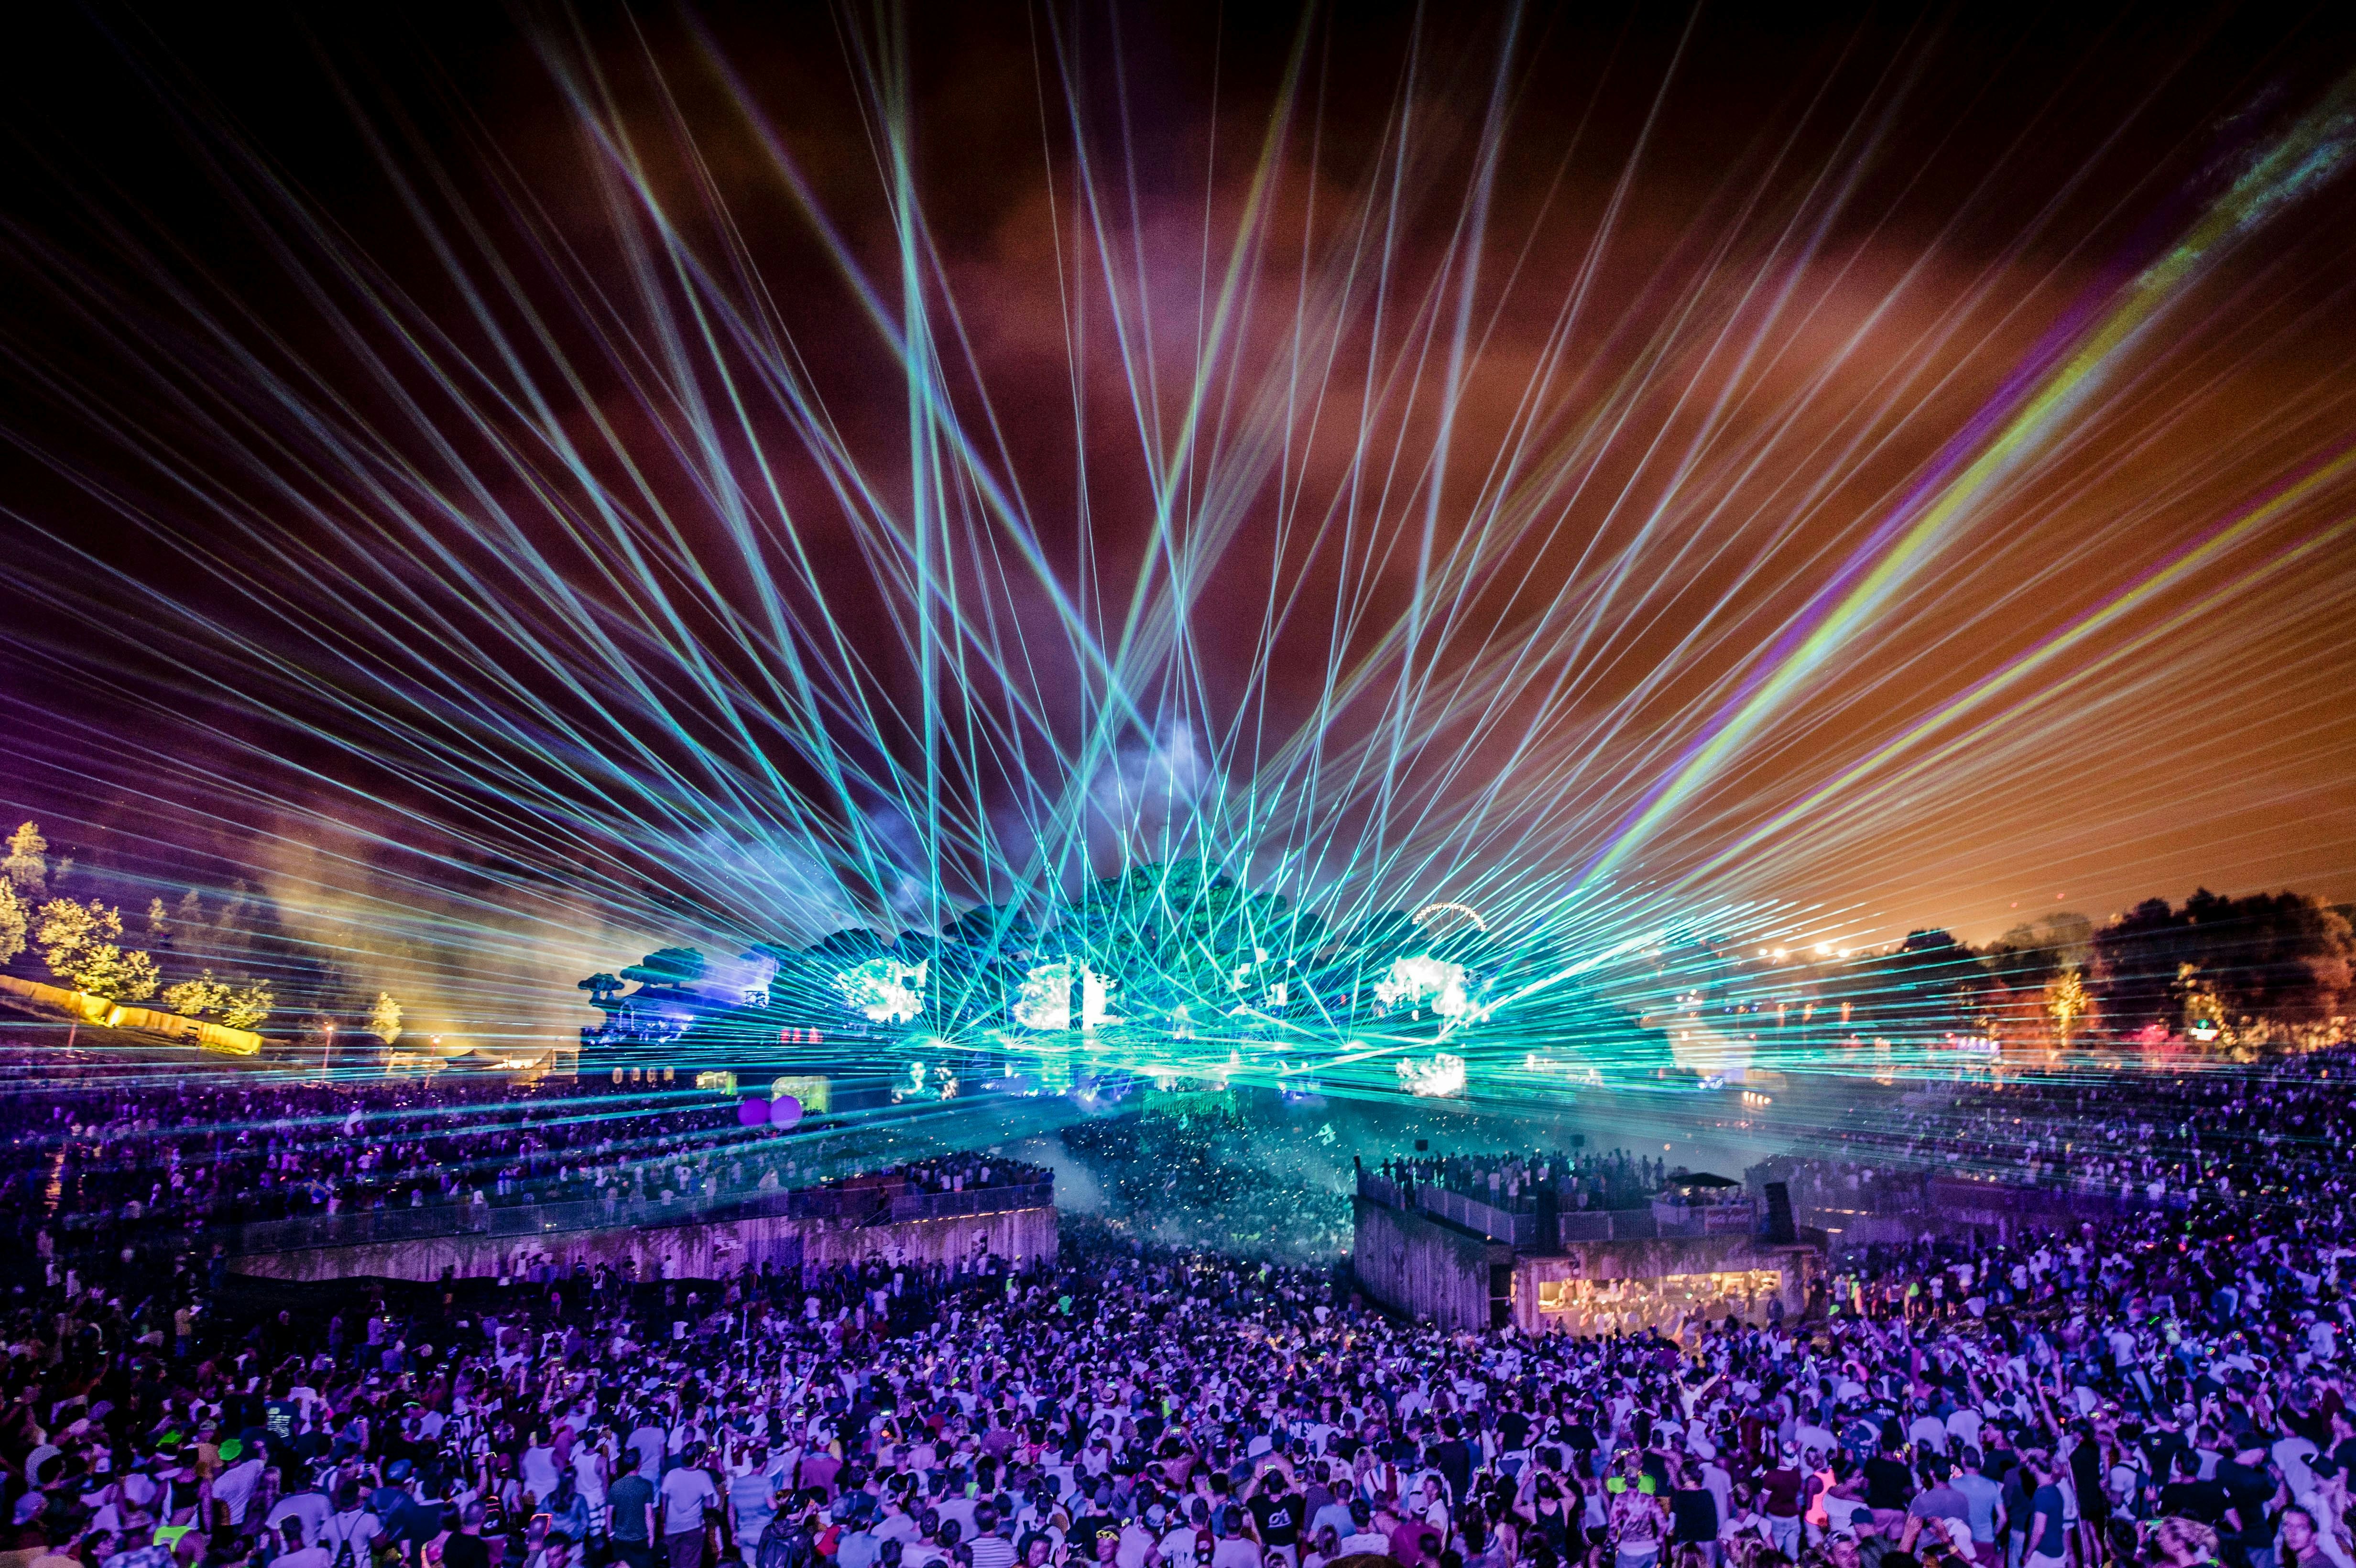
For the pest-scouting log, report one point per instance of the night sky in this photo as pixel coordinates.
(459, 462)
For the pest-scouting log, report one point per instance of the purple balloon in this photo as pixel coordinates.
(783, 1112)
(752, 1112)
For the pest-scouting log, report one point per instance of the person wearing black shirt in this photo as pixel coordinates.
(1693, 1515)
(2086, 1473)
(1580, 1437)
(1889, 1487)
(2250, 1486)
(629, 1503)
(2191, 1496)
(1452, 1459)
(1277, 1512)
(464, 1548)
(1099, 1520)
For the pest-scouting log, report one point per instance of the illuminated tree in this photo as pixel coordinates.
(159, 926)
(384, 1019)
(82, 946)
(2204, 1010)
(27, 864)
(13, 921)
(249, 1005)
(2024, 964)
(195, 998)
(2066, 1001)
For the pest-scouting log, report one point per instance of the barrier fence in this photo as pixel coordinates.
(1489, 1219)
(854, 1205)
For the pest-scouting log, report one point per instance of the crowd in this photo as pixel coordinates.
(1616, 1179)
(146, 1167)
(2161, 1391)
(1214, 1182)
(2169, 1139)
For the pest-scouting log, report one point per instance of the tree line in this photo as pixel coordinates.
(2263, 968)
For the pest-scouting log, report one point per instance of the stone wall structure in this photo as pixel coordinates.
(687, 1248)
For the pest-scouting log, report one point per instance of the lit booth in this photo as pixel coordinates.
(1699, 1251)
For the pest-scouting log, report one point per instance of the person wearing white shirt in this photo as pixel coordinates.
(1718, 1483)
(752, 1495)
(539, 1468)
(647, 1444)
(1364, 1538)
(349, 1533)
(1176, 1547)
(897, 1526)
(1335, 1515)
(2292, 1455)
(961, 1508)
(1234, 1549)
(294, 1554)
(308, 1508)
(234, 1488)
(686, 1492)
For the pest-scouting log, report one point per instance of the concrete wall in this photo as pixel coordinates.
(678, 1252)
(1420, 1267)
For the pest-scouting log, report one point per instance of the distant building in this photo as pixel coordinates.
(1699, 1250)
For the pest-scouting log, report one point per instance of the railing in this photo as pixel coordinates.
(972, 1200)
(859, 1205)
(1496, 1223)
(1470, 1213)
(1674, 1218)
(1606, 1224)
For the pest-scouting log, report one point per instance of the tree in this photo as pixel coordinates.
(13, 921)
(384, 1022)
(249, 1005)
(2066, 1001)
(2140, 961)
(27, 864)
(159, 926)
(2284, 958)
(2023, 964)
(195, 998)
(1926, 988)
(82, 947)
